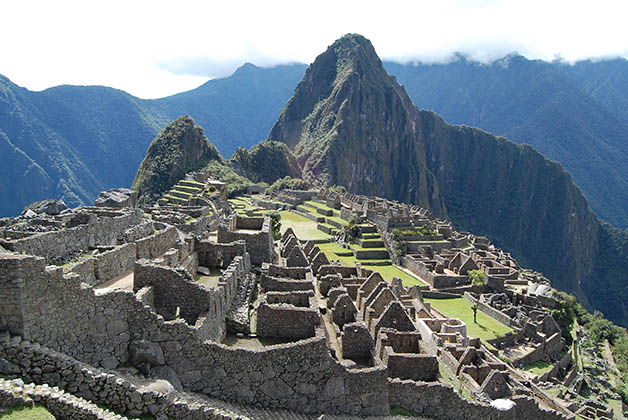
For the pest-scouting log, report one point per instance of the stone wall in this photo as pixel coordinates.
(269, 283)
(12, 283)
(496, 314)
(211, 254)
(300, 298)
(287, 321)
(259, 244)
(155, 245)
(98, 329)
(441, 402)
(543, 351)
(112, 263)
(173, 290)
(99, 230)
(248, 223)
(371, 254)
(288, 272)
(84, 268)
(418, 367)
(86, 383)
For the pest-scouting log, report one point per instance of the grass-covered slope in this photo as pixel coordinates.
(179, 148)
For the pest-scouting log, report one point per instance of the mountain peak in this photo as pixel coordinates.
(346, 116)
(245, 68)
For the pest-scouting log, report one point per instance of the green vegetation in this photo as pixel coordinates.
(275, 219)
(266, 162)
(478, 277)
(304, 228)
(179, 148)
(390, 271)
(288, 183)
(423, 230)
(351, 231)
(486, 327)
(37, 412)
(539, 368)
(236, 184)
(568, 312)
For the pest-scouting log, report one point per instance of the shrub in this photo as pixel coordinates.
(288, 183)
(275, 218)
(478, 277)
(351, 231)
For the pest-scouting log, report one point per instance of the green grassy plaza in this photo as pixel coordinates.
(305, 229)
(486, 327)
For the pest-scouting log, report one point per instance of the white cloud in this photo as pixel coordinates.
(156, 48)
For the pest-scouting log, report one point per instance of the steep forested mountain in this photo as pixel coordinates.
(71, 142)
(574, 114)
(349, 123)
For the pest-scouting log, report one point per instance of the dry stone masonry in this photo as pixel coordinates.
(130, 308)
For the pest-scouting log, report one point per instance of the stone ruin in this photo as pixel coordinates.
(102, 302)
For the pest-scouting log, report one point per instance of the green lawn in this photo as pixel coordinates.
(342, 221)
(616, 405)
(390, 271)
(304, 228)
(486, 328)
(27, 413)
(321, 206)
(330, 250)
(539, 368)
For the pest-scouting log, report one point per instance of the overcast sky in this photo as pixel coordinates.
(157, 48)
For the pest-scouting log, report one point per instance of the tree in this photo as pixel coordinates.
(478, 277)
(474, 308)
(351, 231)
(275, 219)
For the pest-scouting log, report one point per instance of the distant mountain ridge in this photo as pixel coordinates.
(574, 114)
(350, 123)
(71, 142)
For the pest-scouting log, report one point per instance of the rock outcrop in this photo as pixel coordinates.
(117, 197)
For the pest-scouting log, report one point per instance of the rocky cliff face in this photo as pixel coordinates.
(524, 202)
(179, 148)
(349, 123)
(347, 117)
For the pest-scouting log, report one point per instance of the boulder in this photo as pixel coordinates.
(117, 197)
(142, 351)
(168, 374)
(51, 207)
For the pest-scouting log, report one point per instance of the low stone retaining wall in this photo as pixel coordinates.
(326, 229)
(371, 254)
(155, 245)
(59, 403)
(490, 311)
(70, 389)
(308, 215)
(441, 402)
